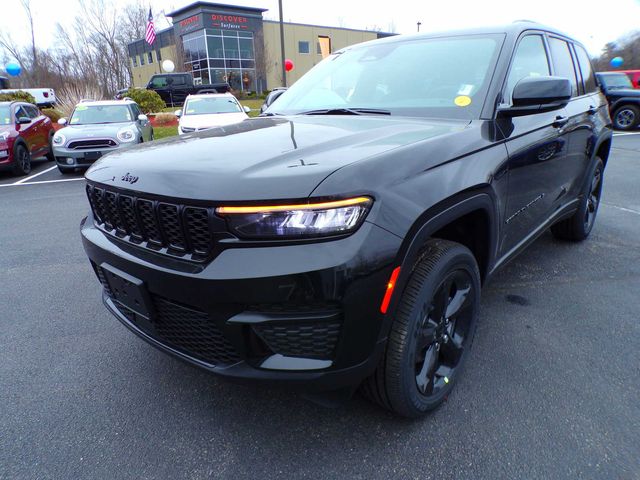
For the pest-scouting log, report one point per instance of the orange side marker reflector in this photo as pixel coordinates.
(390, 286)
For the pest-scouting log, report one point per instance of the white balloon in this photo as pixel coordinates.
(168, 66)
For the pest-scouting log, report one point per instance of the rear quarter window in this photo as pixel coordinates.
(586, 70)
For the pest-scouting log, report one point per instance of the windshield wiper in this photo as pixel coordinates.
(269, 114)
(347, 111)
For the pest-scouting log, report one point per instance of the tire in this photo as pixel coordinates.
(22, 160)
(50, 156)
(626, 117)
(432, 331)
(578, 227)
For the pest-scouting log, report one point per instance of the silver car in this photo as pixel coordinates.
(97, 128)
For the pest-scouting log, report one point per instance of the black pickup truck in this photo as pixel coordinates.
(175, 87)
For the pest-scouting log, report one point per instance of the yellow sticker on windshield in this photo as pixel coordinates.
(81, 107)
(7, 120)
(74, 120)
(462, 100)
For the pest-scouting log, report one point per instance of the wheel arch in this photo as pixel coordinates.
(470, 218)
(621, 102)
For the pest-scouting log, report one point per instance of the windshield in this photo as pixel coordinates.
(87, 115)
(204, 106)
(442, 77)
(616, 81)
(5, 115)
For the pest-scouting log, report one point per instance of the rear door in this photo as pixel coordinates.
(38, 121)
(537, 146)
(579, 112)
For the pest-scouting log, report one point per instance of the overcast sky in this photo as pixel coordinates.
(592, 22)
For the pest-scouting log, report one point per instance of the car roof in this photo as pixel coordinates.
(511, 29)
(95, 103)
(209, 95)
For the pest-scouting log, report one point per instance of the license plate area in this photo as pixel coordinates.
(128, 290)
(92, 156)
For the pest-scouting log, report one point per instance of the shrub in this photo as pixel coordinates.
(165, 118)
(148, 100)
(52, 113)
(19, 95)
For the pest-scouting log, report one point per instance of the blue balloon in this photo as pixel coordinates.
(617, 62)
(13, 69)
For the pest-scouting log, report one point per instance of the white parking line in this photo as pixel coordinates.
(43, 181)
(34, 176)
(630, 210)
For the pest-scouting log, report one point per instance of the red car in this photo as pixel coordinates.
(25, 133)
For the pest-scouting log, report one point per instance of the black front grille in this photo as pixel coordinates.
(173, 229)
(96, 144)
(314, 340)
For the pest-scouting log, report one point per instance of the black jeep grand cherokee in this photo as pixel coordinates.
(342, 239)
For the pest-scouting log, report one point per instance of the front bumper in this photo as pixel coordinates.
(305, 315)
(72, 158)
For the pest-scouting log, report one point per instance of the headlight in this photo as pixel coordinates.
(126, 135)
(4, 136)
(59, 139)
(297, 221)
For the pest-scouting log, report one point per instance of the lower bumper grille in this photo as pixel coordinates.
(186, 329)
(314, 340)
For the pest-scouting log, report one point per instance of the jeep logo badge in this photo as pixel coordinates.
(129, 178)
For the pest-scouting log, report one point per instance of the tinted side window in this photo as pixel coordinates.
(563, 63)
(179, 80)
(33, 112)
(586, 70)
(136, 111)
(159, 81)
(530, 60)
(21, 112)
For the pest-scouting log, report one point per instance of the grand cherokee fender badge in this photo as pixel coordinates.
(129, 178)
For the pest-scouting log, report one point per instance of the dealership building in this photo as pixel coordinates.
(229, 43)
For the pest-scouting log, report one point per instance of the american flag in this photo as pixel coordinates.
(150, 35)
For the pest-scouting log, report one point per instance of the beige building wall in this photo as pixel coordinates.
(142, 73)
(294, 33)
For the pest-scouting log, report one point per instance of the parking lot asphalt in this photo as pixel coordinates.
(551, 389)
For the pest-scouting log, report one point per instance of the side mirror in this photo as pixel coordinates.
(273, 96)
(23, 120)
(246, 109)
(142, 117)
(539, 94)
(62, 121)
(178, 113)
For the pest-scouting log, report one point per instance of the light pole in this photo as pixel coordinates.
(284, 71)
(419, 23)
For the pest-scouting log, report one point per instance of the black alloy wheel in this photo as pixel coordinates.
(626, 117)
(442, 333)
(431, 332)
(593, 199)
(22, 161)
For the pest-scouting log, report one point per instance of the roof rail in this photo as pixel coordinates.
(128, 98)
(85, 100)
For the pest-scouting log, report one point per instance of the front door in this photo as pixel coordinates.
(537, 146)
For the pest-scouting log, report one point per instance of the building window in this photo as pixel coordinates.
(150, 54)
(142, 59)
(303, 47)
(134, 59)
(215, 55)
(158, 56)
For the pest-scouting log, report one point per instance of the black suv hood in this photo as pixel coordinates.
(262, 158)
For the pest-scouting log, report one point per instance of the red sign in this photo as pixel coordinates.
(228, 21)
(189, 21)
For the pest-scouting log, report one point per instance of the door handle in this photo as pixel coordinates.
(592, 110)
(560, 121)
